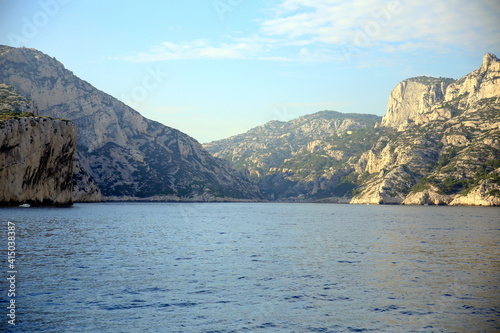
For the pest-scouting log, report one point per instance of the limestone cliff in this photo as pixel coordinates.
(84, 187)
(412, 98)
(446, 149)
(423, 99)
(12, 101)
(127, 155)
(36, 161)
(438, 144)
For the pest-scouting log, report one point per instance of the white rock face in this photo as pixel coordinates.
(37, 158)
(448, 132)
(478, 196)
(410, 99)
(422, 99)
(480, 84)
(386, 188)
(428, 197)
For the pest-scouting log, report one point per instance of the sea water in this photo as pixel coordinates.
(252, 267)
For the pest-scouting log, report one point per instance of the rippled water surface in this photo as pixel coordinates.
(254, 267)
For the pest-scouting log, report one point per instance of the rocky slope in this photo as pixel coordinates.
(12, 102)
(302, 158)
(439, 143)
(37, 158)
(447, 147)
(128, 156)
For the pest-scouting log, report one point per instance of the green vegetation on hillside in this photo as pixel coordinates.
(429, 80)
(357, 141)
(5, 115)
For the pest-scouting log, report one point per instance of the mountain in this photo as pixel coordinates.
(37, 158)
(439, 143)
(303, 158)
(446, 148)
(128, 156)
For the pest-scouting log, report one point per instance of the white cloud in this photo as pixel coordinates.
(197, 49)
(322, 30)
(427, 23)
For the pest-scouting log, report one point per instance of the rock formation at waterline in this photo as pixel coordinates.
(37, 158)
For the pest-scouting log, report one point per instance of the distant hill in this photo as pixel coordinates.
(128, 156)
(301, 158)
(439, 143)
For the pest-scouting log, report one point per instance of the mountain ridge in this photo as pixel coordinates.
(438, 143)
(127, 155)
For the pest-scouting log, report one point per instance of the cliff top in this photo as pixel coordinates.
(428, 80)
(490, 62)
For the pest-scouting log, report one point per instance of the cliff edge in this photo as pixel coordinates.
(37, 157)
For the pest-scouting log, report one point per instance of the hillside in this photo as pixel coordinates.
(304, 157)
(439, 143)
(128, 156)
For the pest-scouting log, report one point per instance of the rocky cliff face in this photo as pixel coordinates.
(14, 105)
(84, 187)
(446, 150)
(412, 98)
(127, 155)
(36, 161)
(439, 143)
(423, 99)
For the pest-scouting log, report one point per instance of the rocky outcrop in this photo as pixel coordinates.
(12, 101)
(387, 187)
(413, 98)
(423, 99)
(486, 193)
(430, 196)
(447, 140)
(483, 194)
(36, 161)
(481, 84)
(124, 153)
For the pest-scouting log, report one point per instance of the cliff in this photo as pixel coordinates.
(128, 156)
(36, 161)
(439, 143)
(447, 146)
(84, 187)
(423, 99)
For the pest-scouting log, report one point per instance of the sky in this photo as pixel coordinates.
(217, 68)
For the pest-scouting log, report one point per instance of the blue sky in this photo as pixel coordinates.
(216, 68)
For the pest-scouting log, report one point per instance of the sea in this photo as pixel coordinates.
(250, 267)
